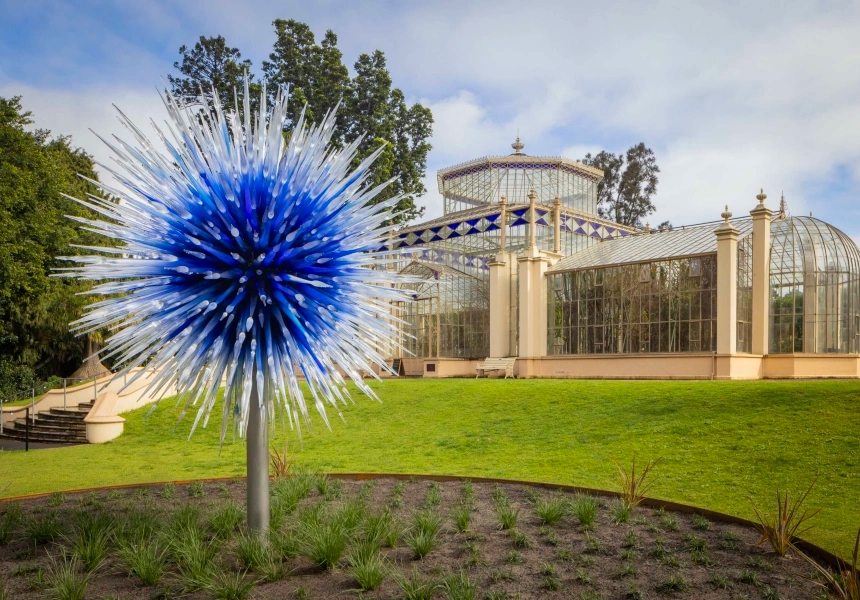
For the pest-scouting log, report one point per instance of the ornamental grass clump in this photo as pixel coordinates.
(550, 510)
(91, 539)
(225, 521)
(635, 485)
(230, 585)
(280, 463)
(779, 529)
(65, 579)
(458, 586)
(145, 559)
(461, 515)
(323, 538)
(367, 566)
(584, 508)
(44, 528)
(845, 583)
(377, 527)
(416, 586)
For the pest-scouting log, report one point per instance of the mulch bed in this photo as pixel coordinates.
(667, 555)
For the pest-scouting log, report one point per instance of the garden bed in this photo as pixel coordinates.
(331, 537)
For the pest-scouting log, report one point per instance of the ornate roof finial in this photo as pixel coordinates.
(647, 227)
(761, 197)
(518, 145)
(726, 215)
(503, 200)
(782, 206)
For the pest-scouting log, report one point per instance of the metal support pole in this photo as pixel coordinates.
(27, 430)
(64, 394)
(257, 440)
(94, 389)
(33, 403)
(1, 415)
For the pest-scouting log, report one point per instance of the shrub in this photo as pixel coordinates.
(779, 529)
(550, 510)
(226, 520)
(507, 515)
(416, 587)
(634, 486)
(229, 585)
(584, 508)
(145, 560)
(367, 566)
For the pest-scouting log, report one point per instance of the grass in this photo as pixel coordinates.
(721, 442)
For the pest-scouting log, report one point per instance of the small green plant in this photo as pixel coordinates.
(770, 593)
(420, 542)
(718, 581)
(301, 593)
(499, 496)
(502, 575)
(416, 586)
(589, 596)
(635, 486)
(376, 526)
(113, 496)
(747, 576)
(582, 576)
(7, 527)
(194, 555)
(397, 494)
(759, 562)
(701, 557)
(634, 593)
(694, 542)
(285, 542)
(56, 499)
(458, 586)
(676, 583)
(620, 512)
(700, 522)
(230, 585)
(367, 566)
(551, 583)
(225, 521)
(629, 554)
(224, 491)
(787, 523)
(507, 515)
(565, 555)
(37, 580)
(550, 536)
(323, 541)
(514, 558)
(91, 539)
(168, 492)
(468, 492)
(729, 541)
(252, 551)
(593, 545)
(65, 579)
(461, 515)
(146, 560)
(584, 508)
(195, 489)
(427, 521)
(351, 512)
(434, 494)
(41, 529)
(550, 510)
(627, 570)
(669, 522)
(519, 539)
(630, 539)
(5, 594)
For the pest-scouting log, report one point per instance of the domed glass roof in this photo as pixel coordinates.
(815, 288)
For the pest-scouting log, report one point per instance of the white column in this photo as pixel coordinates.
(727, 286)
(761, 275)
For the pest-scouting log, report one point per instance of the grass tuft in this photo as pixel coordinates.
(584, 508)
(844, 585)
(635, 486)
(458, 586)
(676, 583)
(367, 566)
(279, 463)
(65, 579)
(146, 560)
(461, 515)
(230, 585)
(416, 586)
(225, 521)
(620, 512)
(507, 515)
(550, 510)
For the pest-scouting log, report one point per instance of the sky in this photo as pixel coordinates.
(731, 96)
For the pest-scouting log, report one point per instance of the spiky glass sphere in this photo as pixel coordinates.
(242, 256)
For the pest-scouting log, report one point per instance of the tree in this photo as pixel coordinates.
(211, 64)
(35, 308)
(318, 80)
(629, 182)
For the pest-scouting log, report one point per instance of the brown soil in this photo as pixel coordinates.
(585, 570)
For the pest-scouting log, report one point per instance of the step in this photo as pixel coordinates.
(48, 431)
(14, 434)
(69, 412)
(62, 418)
(49, 426)
(86, 406)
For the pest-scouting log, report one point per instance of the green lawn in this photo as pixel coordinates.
(722, 442)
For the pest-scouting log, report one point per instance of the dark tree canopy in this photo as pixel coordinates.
(318, 80)
(35, 308)
(629, 182)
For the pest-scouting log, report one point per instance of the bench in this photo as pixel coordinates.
(497, 364)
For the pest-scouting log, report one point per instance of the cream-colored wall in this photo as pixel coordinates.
(792, 366)
(619, 366)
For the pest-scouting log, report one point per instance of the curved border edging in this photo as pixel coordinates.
(808, 547)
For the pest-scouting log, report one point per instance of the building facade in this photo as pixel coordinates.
(521, 265)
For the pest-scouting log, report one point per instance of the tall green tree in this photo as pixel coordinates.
(211, 65)
(318, 80)
(629, 183)
(35, 308)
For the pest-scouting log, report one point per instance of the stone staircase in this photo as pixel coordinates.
(57, 426)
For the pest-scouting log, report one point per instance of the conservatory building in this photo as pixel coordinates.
(522, 266)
